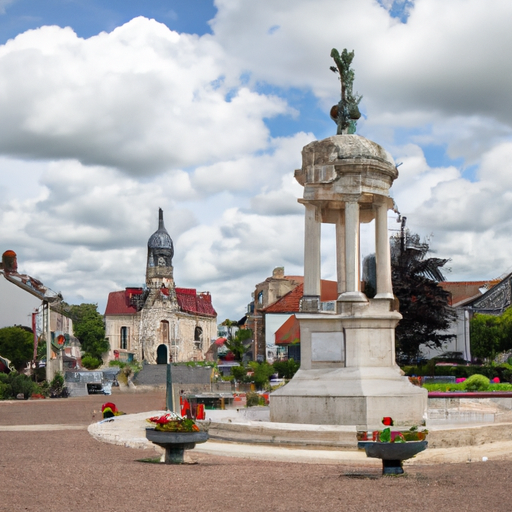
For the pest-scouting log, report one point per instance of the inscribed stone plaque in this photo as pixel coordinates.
(327, 346)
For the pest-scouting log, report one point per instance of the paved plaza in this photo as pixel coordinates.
(49, 462)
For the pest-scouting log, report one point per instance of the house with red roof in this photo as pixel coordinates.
(160, 322)
(278, 298)
(272, 314)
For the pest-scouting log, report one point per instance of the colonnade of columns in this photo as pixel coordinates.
(348, 256)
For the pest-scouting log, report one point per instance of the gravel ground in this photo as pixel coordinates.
(68, 470)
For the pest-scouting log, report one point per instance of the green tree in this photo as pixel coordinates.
(491, 334)
(17, 345)
(16, 383)
(239, 373)
(485, 336)
(89, 328)
(230, 324)
(424, 304)
(261, 373)
(506, 323)
(286, 369)
(238, 345)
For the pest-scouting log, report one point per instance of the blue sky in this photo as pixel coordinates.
(202, 108)
(90, 17)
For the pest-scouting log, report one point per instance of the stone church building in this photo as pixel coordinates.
(160, 322)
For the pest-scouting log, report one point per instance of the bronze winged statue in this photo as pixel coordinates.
(346, 113)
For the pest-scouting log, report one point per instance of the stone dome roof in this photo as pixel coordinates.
(341, 157)
(161, 239)
(357, 147)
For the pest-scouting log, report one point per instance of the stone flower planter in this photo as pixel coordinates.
(175, 443)
(392, 454)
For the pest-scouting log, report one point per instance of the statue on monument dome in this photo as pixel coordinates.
(346, 113)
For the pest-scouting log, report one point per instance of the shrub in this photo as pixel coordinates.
(56, 387)
(286, 369)
(17, 345)
(254, 399)
(477, 382)
(22, 384)
(5, 390)
(239, 373)
(90, 362)
(262, 373)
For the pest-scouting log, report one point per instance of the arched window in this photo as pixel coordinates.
(124, 338)
(164, 332)
(198, 337)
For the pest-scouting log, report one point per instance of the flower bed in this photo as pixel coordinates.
(392, 436)
(175, 434)
(172, 422)
(392, 447)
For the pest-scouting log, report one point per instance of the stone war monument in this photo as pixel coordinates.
(348, 374)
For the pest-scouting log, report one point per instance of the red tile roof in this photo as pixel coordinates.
(462, 291)
(118, 304)
(196, 303)
(289, 332)
(188, 299)
(289, 303)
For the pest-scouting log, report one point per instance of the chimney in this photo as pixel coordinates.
(278, 273)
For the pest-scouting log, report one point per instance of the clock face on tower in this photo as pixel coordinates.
(161, 261)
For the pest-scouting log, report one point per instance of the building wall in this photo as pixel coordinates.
(146, 334)
(189, 348)
(61, 323)
(461, 341)
(272, 289)
(16, 305)
(265, 294)
(113, 325)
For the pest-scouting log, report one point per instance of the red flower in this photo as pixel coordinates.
(388, 421)
(110, 405)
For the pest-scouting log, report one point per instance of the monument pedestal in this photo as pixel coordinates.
(348, 374)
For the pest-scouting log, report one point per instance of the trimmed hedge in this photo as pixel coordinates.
(502, 371)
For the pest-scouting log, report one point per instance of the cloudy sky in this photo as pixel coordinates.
(111, 109)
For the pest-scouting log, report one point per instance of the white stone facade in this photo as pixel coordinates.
(179, 337)
(160, 323)
(348, 373)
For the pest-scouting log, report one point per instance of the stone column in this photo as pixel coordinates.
(312, 236)
(382, 250)
(340, 252)
(352, 249)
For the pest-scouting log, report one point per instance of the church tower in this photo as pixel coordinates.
(160, 323)
(159, 270)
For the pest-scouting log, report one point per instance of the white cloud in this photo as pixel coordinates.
(96, 134)
(141, 98)
(253, 171)
(431, 70)
(470, 220)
